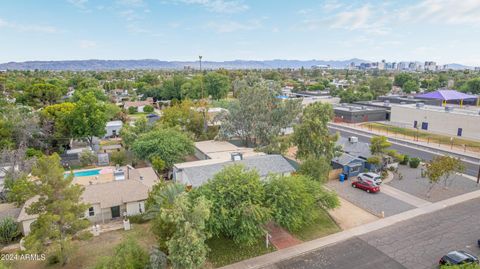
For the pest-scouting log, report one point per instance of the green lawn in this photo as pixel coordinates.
(424, 136)
(224, 251)
(322, 226)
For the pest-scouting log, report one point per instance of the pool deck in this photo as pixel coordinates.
(100, 178)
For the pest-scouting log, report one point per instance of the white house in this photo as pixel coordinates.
(113, 128)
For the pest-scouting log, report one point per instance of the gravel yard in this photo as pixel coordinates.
(414, 184)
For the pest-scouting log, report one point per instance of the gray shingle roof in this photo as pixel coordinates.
(358, 149)
(344, 159)
(266, 164)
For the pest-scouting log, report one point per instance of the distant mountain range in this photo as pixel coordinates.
(158, 64)
(80, 65)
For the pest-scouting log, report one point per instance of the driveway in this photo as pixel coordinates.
(414, 184)
(374, 203)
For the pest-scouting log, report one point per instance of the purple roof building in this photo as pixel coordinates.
(446, 95)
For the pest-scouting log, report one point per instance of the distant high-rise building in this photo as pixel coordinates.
(430, 66)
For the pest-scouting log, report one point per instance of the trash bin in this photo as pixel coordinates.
(342, 177)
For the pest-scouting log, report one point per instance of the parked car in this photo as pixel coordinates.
(366, 186)
(371, 177)
(458, 257)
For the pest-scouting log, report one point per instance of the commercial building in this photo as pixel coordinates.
(353, 113)
(454, 122)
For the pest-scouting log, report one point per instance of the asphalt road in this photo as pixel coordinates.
(470, 169)
(417, 243)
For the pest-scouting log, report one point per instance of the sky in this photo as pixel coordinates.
(445, 31)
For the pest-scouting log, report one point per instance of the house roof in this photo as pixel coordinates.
(128, 104)
(264, 165)
(446, 95)
(115, 193)
(222, 149)
(345, 159)
(111, 193)
(358, 149)
(114, 123)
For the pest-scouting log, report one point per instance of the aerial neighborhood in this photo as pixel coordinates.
(195, 162)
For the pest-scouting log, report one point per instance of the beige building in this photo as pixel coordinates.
(450, 121)
(108, 199)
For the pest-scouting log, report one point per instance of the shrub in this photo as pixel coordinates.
(8, 230)
(317, 169)
(414, 162)
(139, 218)
(127, 254)
(405, 160)
(158, 259)
(294, 200)
(375, 160)
(53, 259)
(118, 157)
(132, 110)
(88, 157)
(148, 109)
(84, 236)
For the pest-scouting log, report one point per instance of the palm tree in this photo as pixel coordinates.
(164, 198)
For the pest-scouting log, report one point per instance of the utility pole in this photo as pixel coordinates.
(204, 109)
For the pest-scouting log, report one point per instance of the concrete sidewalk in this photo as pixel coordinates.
(284, 254)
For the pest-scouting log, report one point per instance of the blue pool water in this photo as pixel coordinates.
(85, 173)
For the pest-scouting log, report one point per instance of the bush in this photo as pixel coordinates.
(148, 109)
(88, 157)
(118, 157)
(84, 236)
(132, 110)
(139, 218)
(8, 230)
(414, 162)
(53, 259)
(294, 200)
(158, 259)
(405, 160)
(317, 169)
(31, 152)
(158, 164)
(127, 254)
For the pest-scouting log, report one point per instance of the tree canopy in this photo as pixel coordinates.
(170, 144)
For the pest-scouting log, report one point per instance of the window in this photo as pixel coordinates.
(140, 208)
(459, 132)
(91, 212)
(415, 124)
(424, 125)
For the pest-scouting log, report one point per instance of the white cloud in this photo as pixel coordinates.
(362, 18)
(233, 26)
(132, 2)
(444, 11)
(36, 28)
(219, 6)
(78, 3)
(87, 44)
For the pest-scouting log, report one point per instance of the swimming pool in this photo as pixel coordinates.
(85, 173)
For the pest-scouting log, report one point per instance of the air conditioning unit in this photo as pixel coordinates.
(353, 139)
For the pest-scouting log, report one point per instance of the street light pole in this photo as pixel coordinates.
(204, 109)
